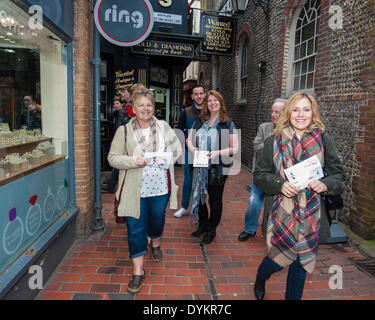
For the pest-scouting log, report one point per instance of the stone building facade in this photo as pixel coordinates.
(339, 69)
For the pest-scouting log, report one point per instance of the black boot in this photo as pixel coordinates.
(208, 237)
(201, 229)
(259, 288)
(108, 188)
(245, 236)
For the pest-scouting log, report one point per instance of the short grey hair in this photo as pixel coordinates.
(281, 99)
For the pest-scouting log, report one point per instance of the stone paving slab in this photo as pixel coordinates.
(99, 267)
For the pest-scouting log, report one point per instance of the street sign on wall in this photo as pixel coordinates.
(170, 16)
(124, 22)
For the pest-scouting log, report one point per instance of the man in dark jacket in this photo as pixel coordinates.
(186, 122)
(119, 118)
(256, 195)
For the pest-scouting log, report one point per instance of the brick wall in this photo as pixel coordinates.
(344, 87)
(362, 211)
(83, 111)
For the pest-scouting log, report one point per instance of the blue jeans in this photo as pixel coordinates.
(186, 189)
(295, 281)
(149, 224)
(254, 206)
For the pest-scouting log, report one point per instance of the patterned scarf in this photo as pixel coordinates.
(294, 223)
(153, 143)
(205, 138)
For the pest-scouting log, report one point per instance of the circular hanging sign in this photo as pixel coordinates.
(124, 22)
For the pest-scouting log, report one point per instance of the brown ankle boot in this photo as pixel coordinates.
(156, 253)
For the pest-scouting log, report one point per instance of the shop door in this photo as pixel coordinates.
(162, 103)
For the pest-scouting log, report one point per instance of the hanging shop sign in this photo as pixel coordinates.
(218, 34)
(161, 48)
(124, 23)
(199, 56)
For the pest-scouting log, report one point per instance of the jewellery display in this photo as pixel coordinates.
(37, 157)
(27, 155)
(47, 148)
(20, 136)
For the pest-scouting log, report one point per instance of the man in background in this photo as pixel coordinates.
(256, 195)
(186, 121)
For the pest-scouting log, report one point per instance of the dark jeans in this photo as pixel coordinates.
(186, 189)
(295, 281)
(215, 199)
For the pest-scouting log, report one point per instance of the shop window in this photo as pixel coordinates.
(159, 74)
(33, 130)
(303, 47)
(243, 70)
(33, 94)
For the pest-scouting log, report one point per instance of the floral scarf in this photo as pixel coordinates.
(294, 223)
(153, 143)
(205, 138)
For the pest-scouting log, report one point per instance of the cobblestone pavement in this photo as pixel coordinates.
(99, 267)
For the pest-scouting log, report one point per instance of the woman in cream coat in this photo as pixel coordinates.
(148, 185)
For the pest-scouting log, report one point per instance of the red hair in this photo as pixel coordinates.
(205, 113)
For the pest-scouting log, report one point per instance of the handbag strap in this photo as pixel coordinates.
(123, 181)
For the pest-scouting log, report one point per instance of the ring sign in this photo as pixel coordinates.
(124, 22)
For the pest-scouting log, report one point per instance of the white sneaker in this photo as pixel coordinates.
(179, 213)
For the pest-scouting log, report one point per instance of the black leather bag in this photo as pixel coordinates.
(333, 202)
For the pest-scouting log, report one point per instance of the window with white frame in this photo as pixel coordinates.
(304, 46)
(242, 70)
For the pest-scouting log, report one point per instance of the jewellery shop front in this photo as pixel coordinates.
(36, 192)
(158, 63)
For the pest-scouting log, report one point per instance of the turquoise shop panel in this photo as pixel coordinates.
(28, 206)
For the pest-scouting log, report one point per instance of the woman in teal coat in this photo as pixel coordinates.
(296, 219)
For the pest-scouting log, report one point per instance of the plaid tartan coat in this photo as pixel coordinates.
(266, 178)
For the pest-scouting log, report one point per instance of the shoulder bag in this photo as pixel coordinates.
(116, 202)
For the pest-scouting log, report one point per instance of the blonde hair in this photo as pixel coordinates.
(133, 89)
(284, 119)
(142, 92)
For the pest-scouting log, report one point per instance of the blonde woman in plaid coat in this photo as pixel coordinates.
(294, 219)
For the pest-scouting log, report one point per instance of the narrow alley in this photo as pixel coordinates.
(99, 267)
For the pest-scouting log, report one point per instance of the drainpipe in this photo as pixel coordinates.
(98, 223)
(72, 182)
